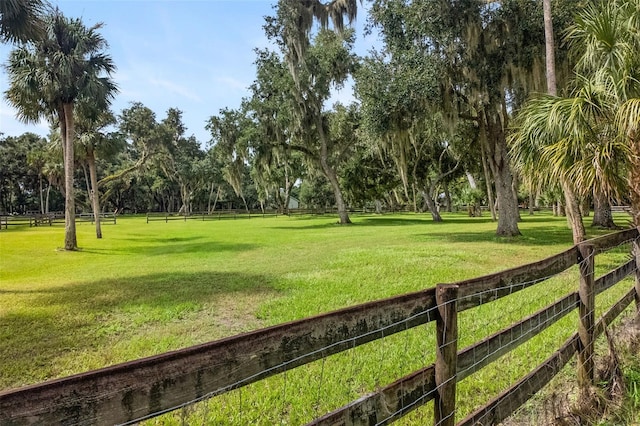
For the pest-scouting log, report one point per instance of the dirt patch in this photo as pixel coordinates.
(236, 313)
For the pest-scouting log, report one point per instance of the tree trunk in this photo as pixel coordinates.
(67, 135)
(585, 207)
(215, 202)
(209, 200)
(602, 217)
(561, 210)
(574, 217)
(549, 48)
(330, 174)
(514, 188)
(185, 196)
(634, 178)
(46, 208)
(487, 174)
(532, 204)
(573, 207)
(86, 182)
(447, 197)
(498, 159)
(287, 190)
(337, 192)
(95, 199)
(472, 180)
(41, 194)
(431, 206)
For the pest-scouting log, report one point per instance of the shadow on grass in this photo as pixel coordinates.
(43, 329)
(360, 221)
(411, 219)
(538, 236)
(308, 227)
(169, 246)
(424, 219)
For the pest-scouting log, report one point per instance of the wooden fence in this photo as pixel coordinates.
(243, 214)
(89, 217)
(214, 215)
(50, 219)
(147, 387)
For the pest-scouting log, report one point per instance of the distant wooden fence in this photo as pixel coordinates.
(89, 217)
(243, 214)
(50, 219)
(214, 215)
(150, 386)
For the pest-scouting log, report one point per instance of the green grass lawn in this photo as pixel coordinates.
(149, 288)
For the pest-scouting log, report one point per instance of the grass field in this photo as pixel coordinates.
(149, 288)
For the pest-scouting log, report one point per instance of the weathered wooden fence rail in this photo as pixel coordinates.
(154, 385)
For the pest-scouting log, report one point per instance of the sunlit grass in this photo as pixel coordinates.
(149, 288)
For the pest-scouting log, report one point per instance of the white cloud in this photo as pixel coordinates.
(175, 88)
(232, 82)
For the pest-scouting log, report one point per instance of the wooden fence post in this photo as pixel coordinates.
(587, 316)
(636, 254)
(446, 355)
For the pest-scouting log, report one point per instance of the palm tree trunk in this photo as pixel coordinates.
(66, 133)
(46, 204)
(41, 195)
(95, 199)
(574, 217)
(634, 178)
(86, 181)
(573, 207)
(549, 48)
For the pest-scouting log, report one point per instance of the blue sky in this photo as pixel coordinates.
(195, 55)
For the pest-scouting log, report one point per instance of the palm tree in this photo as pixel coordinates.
(609, 30)
(49, 76)
(21, 20)
(573, 210)
(95, 143)
(589, 137)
